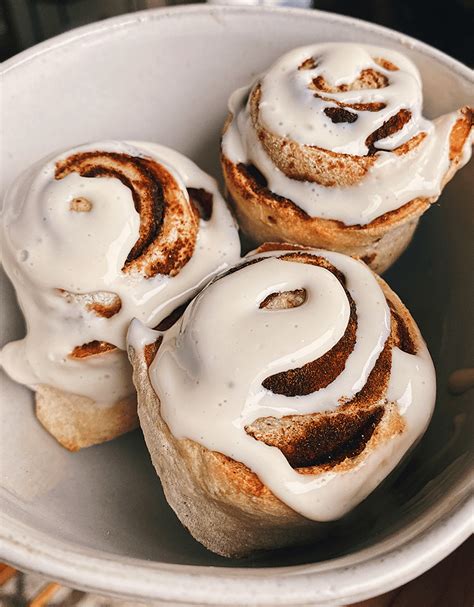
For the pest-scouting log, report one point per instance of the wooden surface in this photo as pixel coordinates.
(449, 584)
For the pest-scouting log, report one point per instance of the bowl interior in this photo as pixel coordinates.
(166, 76)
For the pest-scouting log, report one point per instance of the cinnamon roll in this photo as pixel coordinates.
(94, 237)
(329, 148)
(289, 389)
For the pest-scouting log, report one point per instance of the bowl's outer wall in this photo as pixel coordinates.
(165, 76)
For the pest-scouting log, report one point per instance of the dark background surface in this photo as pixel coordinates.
(447, 25)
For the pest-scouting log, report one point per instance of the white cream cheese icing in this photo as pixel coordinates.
(210, 366)
(46, 247)
(289, 108)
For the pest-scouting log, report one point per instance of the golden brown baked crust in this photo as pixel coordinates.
(220, 501)
(77, 421)
(265, 216)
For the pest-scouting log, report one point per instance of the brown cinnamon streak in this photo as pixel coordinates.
(317, 440)
(402, 336)
(202, 200)
(319, 373)
(329, 438)
(92, 348)
(338, 114)
(157, 197)
(139, 175)
(150, 351)
(367, 79)
(389, 127)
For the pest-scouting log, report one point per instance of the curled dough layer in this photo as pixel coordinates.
(168, 223)
(96, 236)
(305, 380)
(329, 148)
(168, 227)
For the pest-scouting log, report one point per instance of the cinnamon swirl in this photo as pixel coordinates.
(329, 148)
(290, 388)
(94, 237)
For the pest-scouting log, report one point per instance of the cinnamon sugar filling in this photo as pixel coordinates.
(391, 126)
(326, 439)
(202, 200)
(319, 373)
(155, 195)
(154, 192)
(318, 440)
(151, 350)
(92, 348)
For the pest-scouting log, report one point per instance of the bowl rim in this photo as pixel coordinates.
(152, 14)
(392, 562)
(357, 576)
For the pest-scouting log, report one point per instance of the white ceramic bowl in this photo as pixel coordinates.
(97, 519)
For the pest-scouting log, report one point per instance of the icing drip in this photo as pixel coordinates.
(94, 237)
(215, 370)
(359, 105)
